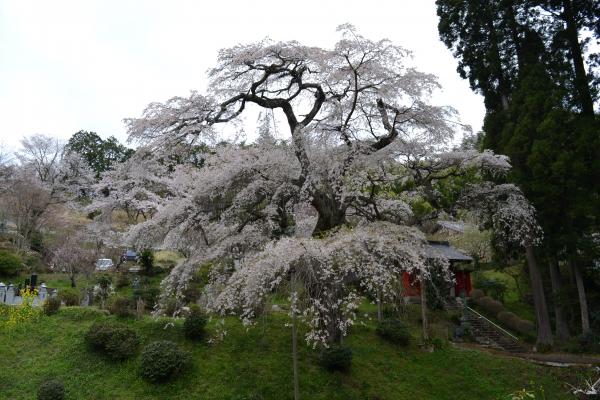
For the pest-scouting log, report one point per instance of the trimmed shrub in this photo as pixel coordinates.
(513, 322)
(115, 341)
(51, 390)
(525, 327)
(195, 324)
(491, 306)
(163, 360)
(69, 297)
(121, 307)
(51, 305)
(336, 358)
(394, 330)
(10, 263)
(477, 293)
(147, 261)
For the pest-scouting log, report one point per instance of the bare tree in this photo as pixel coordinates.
(74, 256)
(43, 155)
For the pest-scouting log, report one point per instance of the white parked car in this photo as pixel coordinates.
(104, 264)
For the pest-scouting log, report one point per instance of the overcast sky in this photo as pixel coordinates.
(72, 65)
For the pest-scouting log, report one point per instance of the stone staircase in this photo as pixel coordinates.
(491, 335)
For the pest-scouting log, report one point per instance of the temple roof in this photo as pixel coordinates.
(437, 249)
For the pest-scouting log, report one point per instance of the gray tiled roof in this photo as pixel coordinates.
(443, 249)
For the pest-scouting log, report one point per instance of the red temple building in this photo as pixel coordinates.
(461, 267)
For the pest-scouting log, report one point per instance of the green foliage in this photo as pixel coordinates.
(10, 263)
(117, 342)
(122, 281)
(147, 261)
(104, 281)
(336, 358)
(239, 367)
(194, 326)
(163, 360)
(52, 389)
(121, 307)
(394, 330)
(516, 324)
(51, 305)
(149, 294)
(585, 343)
(69, 297)
(421, 208)
(493, 288)
(100, 154)
(490, 306)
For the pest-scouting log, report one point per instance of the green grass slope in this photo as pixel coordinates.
(255, 364)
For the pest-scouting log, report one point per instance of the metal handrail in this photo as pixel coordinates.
(496, 325)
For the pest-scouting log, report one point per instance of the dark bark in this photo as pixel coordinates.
(562, 329)
(544, 331)
(330, 213)
(583, 306)
(581, 79)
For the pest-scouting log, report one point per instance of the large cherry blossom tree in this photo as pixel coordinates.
(325, 201)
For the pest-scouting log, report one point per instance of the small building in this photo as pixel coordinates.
(461, 266)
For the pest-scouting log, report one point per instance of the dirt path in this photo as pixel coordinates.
(551, 359)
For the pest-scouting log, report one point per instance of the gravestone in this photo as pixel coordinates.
(33, 281)
(42, 294)
(10, 294)
(2, 292)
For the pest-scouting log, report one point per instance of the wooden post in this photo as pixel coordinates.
(424, 309)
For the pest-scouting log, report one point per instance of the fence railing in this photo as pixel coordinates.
(507, 333)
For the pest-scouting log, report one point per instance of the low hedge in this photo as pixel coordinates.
(513, 322)
(489, 305)
(336, 358)
(477, 293)
(394, 331)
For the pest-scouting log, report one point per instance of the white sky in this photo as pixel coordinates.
(71, 65)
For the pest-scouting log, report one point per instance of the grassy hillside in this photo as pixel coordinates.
(255, 364)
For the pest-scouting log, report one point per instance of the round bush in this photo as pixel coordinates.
(491, 306)
(51, 390)
(515, 323)
(115, 341)
(336, 358)
(477, 293)
(163, 360)
(51, 305)
(70, 298)
(10, 263)
(394, 330)
(195, 323)
(121, 307)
